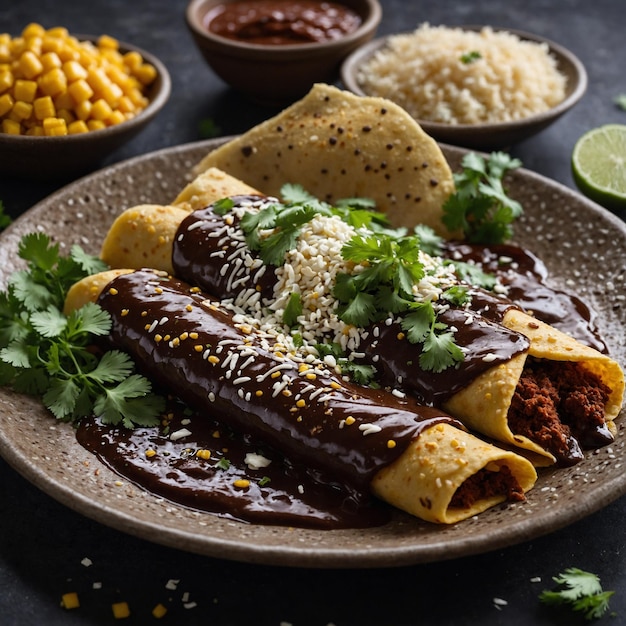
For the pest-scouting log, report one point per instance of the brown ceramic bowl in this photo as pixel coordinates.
(494, 135)
(278, 74)
(66, 158)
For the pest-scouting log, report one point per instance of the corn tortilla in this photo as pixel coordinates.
(338, 145)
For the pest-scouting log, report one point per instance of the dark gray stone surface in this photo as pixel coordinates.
(43, 543)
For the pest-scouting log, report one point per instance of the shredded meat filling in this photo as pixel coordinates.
(560, 406)
(487, 484)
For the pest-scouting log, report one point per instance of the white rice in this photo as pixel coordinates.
(503, 78)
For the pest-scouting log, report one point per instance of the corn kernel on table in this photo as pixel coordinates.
(48, 550)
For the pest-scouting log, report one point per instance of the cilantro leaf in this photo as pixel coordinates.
(440, 352)
(360, 311)
(45, 353)
(293, 310)
(581, 590)
(480, 207)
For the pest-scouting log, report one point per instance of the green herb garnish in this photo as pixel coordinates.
(48, 354)
(392, 268)
(264, 481)
(580, 590)
(293, 310)
(223, 463)
(223, 206)
(286, 220)
(359, 373)
(480, 207)
(470, 57)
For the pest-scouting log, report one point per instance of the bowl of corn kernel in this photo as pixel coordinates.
(68, 101)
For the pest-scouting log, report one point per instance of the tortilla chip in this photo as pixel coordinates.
(338, 145)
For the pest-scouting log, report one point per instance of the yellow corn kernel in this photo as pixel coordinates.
(50, 60)
(112, 93)
(67, 53)
(64, 100)
(150, 452)
(58, 31)
(21, 110)
(80, 91)
(53, 82)
(97, 79)
(33, 44)
(159, 611)
(203, 454)
(100, 110)
(33, 30)
(54, 127)
(145, 74)
(241, 483)
(138, 99)
(35, 131)
(121, 610)
(73, 70)
(66, 115)
(5, 52)
(95, 124)
(117, 117)
(70, 600)
(76, 127)
(52, 44)
(44, 107)
(125, 105)
(6, 103)
(83, 110)
(133, 60)
(6, 79)
(11, 127)
(106, 41)
(29, 64)
(25, 90)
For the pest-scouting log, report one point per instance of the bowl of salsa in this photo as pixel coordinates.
(273, 51)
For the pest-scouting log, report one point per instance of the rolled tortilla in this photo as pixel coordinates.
(418, 459)
(483, 403)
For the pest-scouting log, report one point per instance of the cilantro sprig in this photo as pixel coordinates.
(392, 268)
(45, 353)
(480, 207)
(580, 590)
(285, 220)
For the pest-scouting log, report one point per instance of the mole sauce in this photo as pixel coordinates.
(524, 275)
(186, 344)
(200, 470)
(282, 22)
(335, 493)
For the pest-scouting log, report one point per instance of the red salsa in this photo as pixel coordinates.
(281, 22)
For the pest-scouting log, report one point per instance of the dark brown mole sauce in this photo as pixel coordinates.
(315, 435)
(525, 275)
(281, 493)
(281, 22)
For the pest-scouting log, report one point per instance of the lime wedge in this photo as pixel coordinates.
(599, 165)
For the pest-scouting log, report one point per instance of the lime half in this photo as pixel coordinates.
(599, 165)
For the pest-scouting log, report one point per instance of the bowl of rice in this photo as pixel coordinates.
(473, 86)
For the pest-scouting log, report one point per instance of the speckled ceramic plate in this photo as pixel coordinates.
(583, 246)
